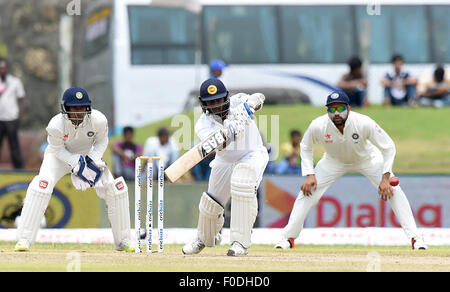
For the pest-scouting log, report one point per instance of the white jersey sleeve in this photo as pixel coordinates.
(205, 126)
(56, 145)
(100, 127)
(307, 148)
(380, 139)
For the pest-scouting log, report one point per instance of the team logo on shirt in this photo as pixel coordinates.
(328, 138)
(212, 89)
(66, 136)
(79, 95)
(355, 136)
(90, 134)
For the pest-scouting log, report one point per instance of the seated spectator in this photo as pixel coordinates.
(162, 146)
(435, 91)
(290, 151)
(124, 154)
(354, 84)
(399, 85)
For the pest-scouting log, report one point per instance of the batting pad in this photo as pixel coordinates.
(36, 202)
(210, 220)
(116, 199)
(244, 205)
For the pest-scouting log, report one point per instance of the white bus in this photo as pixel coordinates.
(145, 62)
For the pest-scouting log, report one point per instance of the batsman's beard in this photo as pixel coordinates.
(343, 116)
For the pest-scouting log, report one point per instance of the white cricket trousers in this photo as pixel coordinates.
(220, 179)
(329, 170)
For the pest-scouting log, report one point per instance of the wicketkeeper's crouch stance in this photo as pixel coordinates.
(77, 139)
(236, 171)
(353, 143)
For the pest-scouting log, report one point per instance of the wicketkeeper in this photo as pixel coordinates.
(77, 138)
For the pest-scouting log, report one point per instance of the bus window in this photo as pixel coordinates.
(240, 34)
(162, 35)
(440, 27)
(398, 29)
(319, 34)
(96, 32)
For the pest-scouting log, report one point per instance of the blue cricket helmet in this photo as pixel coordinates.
(213, 89)
(75, 96)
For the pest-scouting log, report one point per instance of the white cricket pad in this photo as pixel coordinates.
(244, 204)
(36, 202)
(116, 199)
(210, 220)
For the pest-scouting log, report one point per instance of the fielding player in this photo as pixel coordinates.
(236, 170)
(77, 138)
(353, 143)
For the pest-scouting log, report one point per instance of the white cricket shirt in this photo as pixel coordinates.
(250, 140)
(362, 137)
(68, 142)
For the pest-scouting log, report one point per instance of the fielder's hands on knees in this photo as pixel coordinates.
(309, 185)
(385, 188)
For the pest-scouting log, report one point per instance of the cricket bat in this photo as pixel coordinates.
(215, 141)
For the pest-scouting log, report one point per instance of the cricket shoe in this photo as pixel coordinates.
(22, 245)
(285, 244)
(126, 246)
(237, 249)
(193, 247)
(418, 243)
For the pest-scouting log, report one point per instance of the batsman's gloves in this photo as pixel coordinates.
(256, 101)
(235, 128)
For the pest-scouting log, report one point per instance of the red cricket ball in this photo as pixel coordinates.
(394, 181)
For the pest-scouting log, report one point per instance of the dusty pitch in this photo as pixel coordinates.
(261, 258)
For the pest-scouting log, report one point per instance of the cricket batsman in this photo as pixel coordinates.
(353, 143)
(77, 138)
(236, 170)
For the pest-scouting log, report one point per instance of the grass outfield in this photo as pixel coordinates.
(421, 135)
(261, 258)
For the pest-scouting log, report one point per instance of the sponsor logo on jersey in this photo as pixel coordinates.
(355, 136)
(120, 186)
(328, 138)
(43, 184)
(66, 136)
(90, 134)
(212, 89)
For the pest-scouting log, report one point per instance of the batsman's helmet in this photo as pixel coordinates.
(213, 89)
